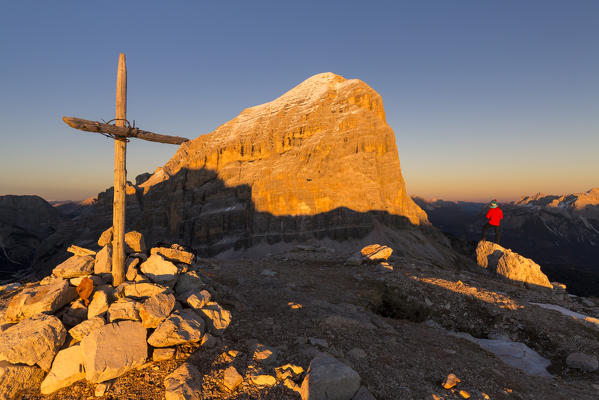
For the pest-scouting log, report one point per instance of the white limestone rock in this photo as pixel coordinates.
(231, 378)
(78, 332)
(155, 309)
(376, 253)
(15, 379)
(98, 281)
(67, 369)
(183, 384)
(329, 379)
(103, 261)
(123, 309)
(217, 318)
(510, 264)
(163, 354)
(140, 290)
(105, 237)
(34, 340)
(40, 299)
(159, 270)
(74, 266)
(198, 300)
(174, 254)
(134, 242)
(113, 350)
(180, 327)
(98, 305)
(132, 265)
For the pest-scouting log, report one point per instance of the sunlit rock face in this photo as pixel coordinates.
(322, 146)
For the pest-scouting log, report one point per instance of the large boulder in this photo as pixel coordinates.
(329, 379)
(40, 299)
(114, 349)
(134, 242)
(173, 254)
(17, 379)
(99, 304)
(510, 264)
(74, 267)
(184, 383)
(125, 309)
(78, 332)
(34, 340)
(155, 309)
(159, 270)
(103, 261)
(180, 327)
(67, 369)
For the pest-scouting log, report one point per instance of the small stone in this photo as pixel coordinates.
(103, 262)
(288, 371)
(105, 237)
(263, 380)
(73, 314)
(291, 385)
(384, 267)
(217, 318)
(318, 342)
(132, 263)
(80, 251)
(268, 272)
(183, 384)
(159, 270)
(99, 304)
(264, 354)
(166, 353)
(464, 394)
(155, 309)
(231, 378)
(74, 266)
(134, 242)
(208, 341)
(451, 381)
(356, 354)
(199, 300)
(100, 389)
(582, 361)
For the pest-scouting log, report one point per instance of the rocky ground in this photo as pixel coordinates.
(391, 327)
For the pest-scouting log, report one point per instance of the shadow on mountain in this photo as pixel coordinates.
(195, 208)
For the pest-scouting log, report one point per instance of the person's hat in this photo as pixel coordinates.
(493, 203)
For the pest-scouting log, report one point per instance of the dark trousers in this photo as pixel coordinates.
(497, 234)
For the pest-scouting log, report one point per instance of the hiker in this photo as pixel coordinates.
(494, 215)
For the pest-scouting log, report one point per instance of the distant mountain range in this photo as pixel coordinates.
(560, 232)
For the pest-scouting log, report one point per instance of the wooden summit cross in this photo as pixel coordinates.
(120, 131)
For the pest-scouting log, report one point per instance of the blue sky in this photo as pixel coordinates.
(488, 99)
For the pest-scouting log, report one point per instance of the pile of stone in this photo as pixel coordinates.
(49, 338)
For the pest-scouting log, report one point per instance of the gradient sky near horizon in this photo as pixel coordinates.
(488, 99)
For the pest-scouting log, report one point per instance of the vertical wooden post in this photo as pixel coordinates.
(120, 178)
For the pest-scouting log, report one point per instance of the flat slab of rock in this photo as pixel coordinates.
(159, 270)
(155, 309)
(183, 384)
(181, 327)
(34, 340)
(123, 309)
(329, 379)
(174, 254)
(217, 318)
(40, 299)
(67, 369)
(134, 242)
(78, 332)
(140, 290)
(163, 354)
(98, 305)
(81, 251)
(114, 349)
(231, 378)
(510, 264)
(74, 267)
(15, 380)
(376, 252)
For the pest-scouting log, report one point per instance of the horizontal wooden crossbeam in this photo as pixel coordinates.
(121, 131)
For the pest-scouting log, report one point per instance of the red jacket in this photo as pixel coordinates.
(494, 215)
